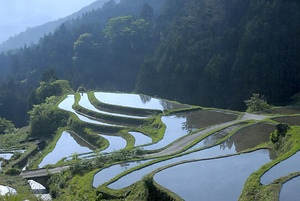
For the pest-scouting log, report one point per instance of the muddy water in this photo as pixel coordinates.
(290, 190)
(140, 138)
(294, 120)
(290, 165)
(67, 145)
(181, 124)
(217, 179)
(136, 101)
(67, 103)
(84, 102)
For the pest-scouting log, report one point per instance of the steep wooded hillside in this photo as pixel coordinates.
(217, 53)
(204, 52)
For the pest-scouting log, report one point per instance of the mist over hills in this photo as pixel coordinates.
(205, 52)
(33, 34)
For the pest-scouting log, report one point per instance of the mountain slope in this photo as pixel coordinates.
(33, 34)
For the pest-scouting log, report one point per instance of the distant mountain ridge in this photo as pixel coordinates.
(33, 34)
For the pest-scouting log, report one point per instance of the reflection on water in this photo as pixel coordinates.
(217, 179)
(108, 173)
(67, 104)
(140, 138)
(136, 101)
(176, 127)
(139, 174)
(290, 190)
(85, 102)
(115, 143)
(183, 123)
(66, 146)
(212, 139)
(6, 156)
(250, 136)
(231, 146)
(290, 165)
(6, 190)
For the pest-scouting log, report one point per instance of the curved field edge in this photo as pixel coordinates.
(119, 109)
(164, 158)
(106, 117)
(284, 148)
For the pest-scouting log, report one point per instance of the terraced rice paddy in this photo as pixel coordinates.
(290, 190)
(284, 168)
(136, 101)
(216, 179)
(218, 163)
(292, 120)
(67, 145)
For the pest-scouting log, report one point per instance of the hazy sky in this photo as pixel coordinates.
(17, 15)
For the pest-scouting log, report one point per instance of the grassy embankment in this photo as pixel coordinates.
(284, 148)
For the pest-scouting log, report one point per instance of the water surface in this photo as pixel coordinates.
(136, 101)
(115, 143)
(290, 190)
(6, 156)
(181, 124)
(107, 174)
(230, 146)
(140, 138)
(67, 103)
(85, 102)
(5, 190)
(135, 176)
(284, 168)
(217, 179)
(65, 146)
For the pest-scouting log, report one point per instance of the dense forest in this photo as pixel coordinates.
(204, 52)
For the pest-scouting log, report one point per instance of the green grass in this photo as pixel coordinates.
(253, 189)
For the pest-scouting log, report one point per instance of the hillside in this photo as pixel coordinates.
(33, 34)
(209, 52)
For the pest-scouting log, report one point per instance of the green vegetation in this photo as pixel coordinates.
(256, 104)
(46, 117)
(203, 52)
(284, 148)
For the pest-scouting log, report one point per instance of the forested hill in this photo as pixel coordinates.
(205, 52)
(217, 53)
(33, 34)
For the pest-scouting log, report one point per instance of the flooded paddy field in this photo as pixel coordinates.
(284, 110)
(136, 101)
(67, 145)
(216, 179)
(292, 120)
(284, 168)
(290, 190)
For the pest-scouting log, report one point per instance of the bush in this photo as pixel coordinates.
(256, 103)
(13, 172)
(280, 131)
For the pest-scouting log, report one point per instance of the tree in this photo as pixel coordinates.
(256, 103)
(46, 118)
(6, 126)
(147, 12)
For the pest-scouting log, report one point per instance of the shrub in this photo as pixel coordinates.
(256, 103)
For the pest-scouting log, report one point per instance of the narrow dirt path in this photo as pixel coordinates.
(183, 142)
